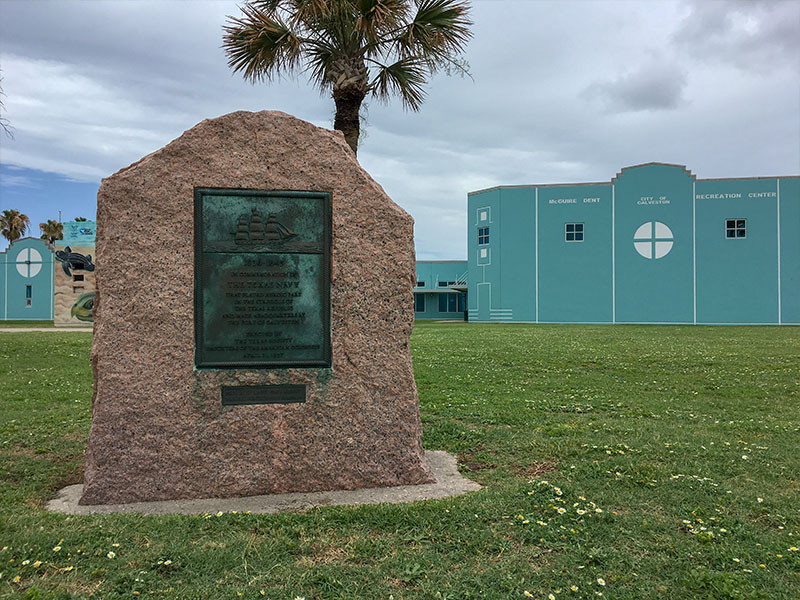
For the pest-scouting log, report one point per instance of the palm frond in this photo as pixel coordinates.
(313, 12)
(405, 78)
(321, 57)
(260, 45)
(377, 18)
(270, 7)
(439, 30)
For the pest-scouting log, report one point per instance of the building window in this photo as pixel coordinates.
(451, 303)
(419, 302)
(573, 232)
(420, 284)
(735, 228)
(447, 303)
(76, 277)
(483, 235)
(28, 295)
(447, 283)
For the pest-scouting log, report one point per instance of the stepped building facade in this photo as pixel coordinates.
(655, 244)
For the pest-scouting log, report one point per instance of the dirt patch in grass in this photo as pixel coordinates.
(18, 451)
(72, 478)
(397, 584)
(325, 554)
(472, 464)
(536, 468)
(470, 461)
(329, 553)
(213, 545)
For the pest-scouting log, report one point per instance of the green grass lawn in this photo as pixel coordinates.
(16, 324)
(628, 462)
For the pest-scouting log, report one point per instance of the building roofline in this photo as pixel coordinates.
(536, 185)
(28, 237)
(613, 179)
(649, 164)
(751, 178)
(454, 260)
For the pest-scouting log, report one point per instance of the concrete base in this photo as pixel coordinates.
(449, 482)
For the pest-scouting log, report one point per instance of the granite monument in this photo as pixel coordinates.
(251, 320)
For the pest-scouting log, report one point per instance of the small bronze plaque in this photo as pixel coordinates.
(263, 394)
(262, 278)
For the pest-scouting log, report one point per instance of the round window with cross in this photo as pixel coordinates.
(653, 240)
(29, 262)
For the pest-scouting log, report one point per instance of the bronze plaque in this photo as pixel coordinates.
(262, 278)
(263, 394)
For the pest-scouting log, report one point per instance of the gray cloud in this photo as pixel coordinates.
(655, 85)
(753, 35)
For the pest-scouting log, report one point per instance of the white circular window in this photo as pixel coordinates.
(29, 262)
(653, 240)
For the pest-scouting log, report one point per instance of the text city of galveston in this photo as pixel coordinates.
(262, 278)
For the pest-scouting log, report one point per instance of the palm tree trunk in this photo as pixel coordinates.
(348, 106)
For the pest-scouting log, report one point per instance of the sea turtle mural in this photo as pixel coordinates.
(83, 309)
(74, 260)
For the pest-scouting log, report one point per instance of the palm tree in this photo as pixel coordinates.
(52, 230)
(14, 224)
(351, 48)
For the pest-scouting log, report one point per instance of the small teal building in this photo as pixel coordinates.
(26, 281)
(653, 245)
(441, 290)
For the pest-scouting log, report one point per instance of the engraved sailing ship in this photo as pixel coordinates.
(252, 230)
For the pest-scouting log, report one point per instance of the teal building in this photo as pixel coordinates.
(440, 290)
(653, 245)
(26, 281)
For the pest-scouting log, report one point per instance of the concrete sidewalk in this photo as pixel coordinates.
(449, 482)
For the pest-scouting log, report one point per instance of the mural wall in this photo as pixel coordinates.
(74, 275)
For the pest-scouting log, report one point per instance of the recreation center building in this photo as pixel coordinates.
(653, 245)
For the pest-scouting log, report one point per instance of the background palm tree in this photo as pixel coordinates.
(14, 224)
(351, 48)
(52, 230)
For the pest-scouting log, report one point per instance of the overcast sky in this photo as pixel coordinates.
(560, 92)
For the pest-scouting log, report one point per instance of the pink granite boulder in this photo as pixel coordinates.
(159, 430)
